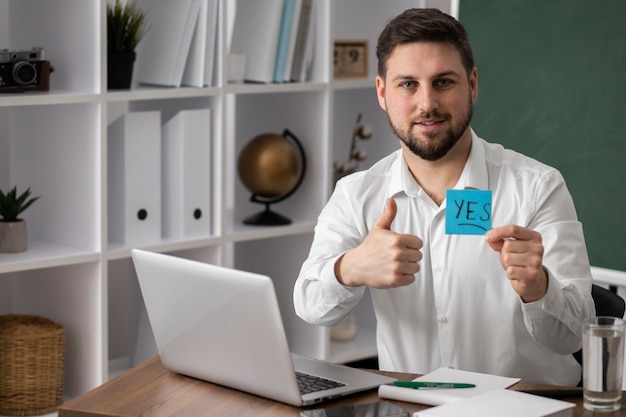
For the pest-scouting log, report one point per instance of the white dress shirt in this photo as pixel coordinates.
(461, 311)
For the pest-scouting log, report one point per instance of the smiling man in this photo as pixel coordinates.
(510, 303)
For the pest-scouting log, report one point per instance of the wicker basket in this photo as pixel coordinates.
(32, 351)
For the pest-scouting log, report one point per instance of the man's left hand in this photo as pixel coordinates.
(521, 256)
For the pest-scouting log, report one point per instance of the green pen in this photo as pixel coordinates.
(425, 384)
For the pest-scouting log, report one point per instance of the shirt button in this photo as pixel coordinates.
(438, 268)
(443, 319)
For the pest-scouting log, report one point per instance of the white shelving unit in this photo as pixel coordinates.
(56, 143)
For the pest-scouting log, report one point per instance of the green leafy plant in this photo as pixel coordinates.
(12, 205)
(126, 26)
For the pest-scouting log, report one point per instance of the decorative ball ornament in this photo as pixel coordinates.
(272, 168)
(269, 165)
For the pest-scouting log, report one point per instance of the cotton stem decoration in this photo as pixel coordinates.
(360, 132)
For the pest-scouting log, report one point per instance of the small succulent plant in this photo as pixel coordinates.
(12, 205)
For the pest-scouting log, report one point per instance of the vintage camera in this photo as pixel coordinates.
(24, 70)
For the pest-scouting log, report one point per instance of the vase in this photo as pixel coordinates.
(13, 237)
(120, 70)
(344, 331)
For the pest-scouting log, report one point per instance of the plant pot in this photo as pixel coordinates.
(344, 331)
(120, 70)
(13, 236)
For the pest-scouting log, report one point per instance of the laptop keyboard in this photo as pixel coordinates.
(311, 383)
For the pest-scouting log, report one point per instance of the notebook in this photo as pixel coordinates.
(502, 402)
(484, 383)
(224, 326)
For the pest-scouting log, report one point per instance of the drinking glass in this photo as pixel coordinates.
(603, 358)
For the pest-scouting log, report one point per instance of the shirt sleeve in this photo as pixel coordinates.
(555, 321)
(318, 297)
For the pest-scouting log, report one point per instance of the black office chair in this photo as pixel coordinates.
(608, 303)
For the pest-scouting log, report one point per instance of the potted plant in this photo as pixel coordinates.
(13, 237)
(126, 26)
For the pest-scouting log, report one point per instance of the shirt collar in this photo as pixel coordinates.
(401, 179)
(474, 173)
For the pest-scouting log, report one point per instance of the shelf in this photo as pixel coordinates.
(120, 251)
(48, 98)
(154, 93)
(249, 88)
(42, 254)
(57, 142)
(237, 231)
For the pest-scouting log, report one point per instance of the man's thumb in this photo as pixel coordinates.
(389, 214)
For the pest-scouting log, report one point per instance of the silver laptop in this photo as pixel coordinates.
(224, 326)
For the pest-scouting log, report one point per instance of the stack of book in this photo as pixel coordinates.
(277, 39)
(472, 394)
(180, 44)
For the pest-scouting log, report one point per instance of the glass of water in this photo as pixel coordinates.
(603, 363)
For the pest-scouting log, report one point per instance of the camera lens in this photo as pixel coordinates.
(24, 73)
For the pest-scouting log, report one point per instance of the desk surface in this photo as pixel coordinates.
(151, 390)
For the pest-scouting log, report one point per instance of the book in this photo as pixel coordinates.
(193, 74)
(305, 41)
(283, 40)
(162, 54)
(211, 42)
(484, 383)
(502, 402)
(255, 34)
(293, 36)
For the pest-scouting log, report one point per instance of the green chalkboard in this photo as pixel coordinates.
(552, 85)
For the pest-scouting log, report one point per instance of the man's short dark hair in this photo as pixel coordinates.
(423, 25)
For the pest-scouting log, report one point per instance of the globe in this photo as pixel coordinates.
(271, 167)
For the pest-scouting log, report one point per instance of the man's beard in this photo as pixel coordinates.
(431, 150)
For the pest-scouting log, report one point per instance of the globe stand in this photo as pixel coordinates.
(268, 217)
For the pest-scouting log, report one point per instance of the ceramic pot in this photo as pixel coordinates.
(13, 236)
(120, 70)
(344, 331)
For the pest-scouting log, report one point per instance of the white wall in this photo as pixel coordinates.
(443, 5)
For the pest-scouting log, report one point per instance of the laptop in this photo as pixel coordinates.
(224, 326)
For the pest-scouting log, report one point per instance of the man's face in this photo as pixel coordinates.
(428, 97)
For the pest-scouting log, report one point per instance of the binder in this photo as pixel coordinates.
(255, 34)
(134, 178)
(162, 54)
(186, 164)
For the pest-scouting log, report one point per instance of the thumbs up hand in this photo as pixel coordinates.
(384, 259)
(389, 214)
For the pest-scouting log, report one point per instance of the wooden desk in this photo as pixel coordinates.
(151, 390)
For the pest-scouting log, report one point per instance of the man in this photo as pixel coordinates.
(511, 303)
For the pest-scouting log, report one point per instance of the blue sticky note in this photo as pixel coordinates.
(468, 212)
